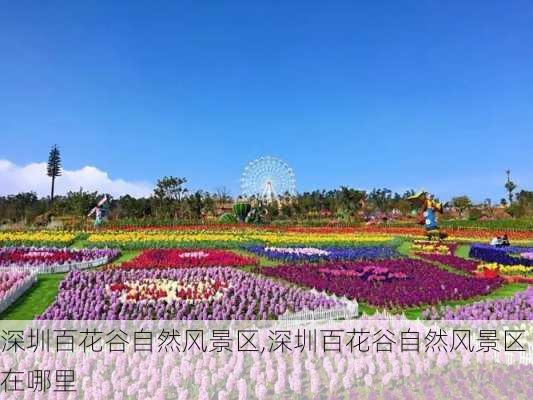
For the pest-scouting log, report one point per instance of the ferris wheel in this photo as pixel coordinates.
(267, 178)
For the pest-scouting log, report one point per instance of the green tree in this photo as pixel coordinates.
(168, 194)
(53, 169)
(510, 186)
(461, 203)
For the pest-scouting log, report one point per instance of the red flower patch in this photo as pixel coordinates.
(187, 258)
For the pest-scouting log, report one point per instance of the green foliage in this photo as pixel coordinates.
(510, 186)
(524, 224)
(53, 169)
(475, 214)
(242, 210)
(228, 218)
(462, 203)
(523, 206)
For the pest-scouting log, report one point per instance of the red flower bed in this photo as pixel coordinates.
(184, 258)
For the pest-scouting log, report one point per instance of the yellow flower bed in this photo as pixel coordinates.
(36, 238)
(140, 239)
(506, 269)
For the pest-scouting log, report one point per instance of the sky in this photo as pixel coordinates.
(433, 95)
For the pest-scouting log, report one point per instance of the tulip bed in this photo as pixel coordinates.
(396, 283)
(37, 238)
(518, 307)
(228, 239)
(185, 258)
(510, 255)
(433, 247)
(312, 254)
(507, 269)
(192, 293)
(46, 257)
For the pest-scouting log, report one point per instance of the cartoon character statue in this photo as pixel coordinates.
(99, 211)
(428, 207)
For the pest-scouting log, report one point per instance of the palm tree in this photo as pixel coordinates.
(510, 186)
(54, 167)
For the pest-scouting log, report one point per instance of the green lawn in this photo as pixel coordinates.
(463, 251)
(126, 255)
(404, 248)
(36, 299)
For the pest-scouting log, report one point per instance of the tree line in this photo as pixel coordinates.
(171, 202)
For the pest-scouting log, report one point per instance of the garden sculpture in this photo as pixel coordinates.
(428, 207)
(99, 211)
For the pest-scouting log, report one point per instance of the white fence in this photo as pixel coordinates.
(14, 293)
(50, 269)
(349, 309)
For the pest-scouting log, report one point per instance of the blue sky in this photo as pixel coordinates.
(399, 94)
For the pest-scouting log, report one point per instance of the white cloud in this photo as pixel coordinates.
(32, 177)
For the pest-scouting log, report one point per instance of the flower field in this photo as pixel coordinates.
(195, 272)
(311, 254)
(192, 293)
(387, 283)
(183, 258)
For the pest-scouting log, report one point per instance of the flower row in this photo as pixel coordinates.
(194, 239)
(312, 254)
(433, 247)
(510, 255)
(183, 258)
(412, 231)
(387, 283)
(507, 269)
(49, 257)
(36, 238)
(177, 294)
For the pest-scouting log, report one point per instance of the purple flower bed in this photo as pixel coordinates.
(518, 307)
(232, 294)
(408, 282)
(501, 255)
(309, 254)
(451, 261)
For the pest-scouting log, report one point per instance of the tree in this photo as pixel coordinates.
(222, 195)
(461, 203)
(169, 192)
(53, 169)
(381, 199)
(510, 186)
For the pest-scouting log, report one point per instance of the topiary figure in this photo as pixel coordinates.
(242, 210)
(228, 218)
